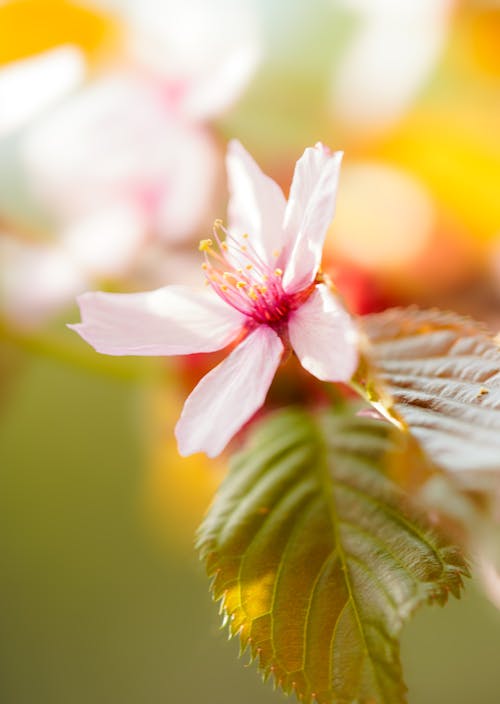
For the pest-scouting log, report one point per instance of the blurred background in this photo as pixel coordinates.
(114, 117)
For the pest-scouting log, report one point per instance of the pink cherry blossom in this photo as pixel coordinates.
(264, 291)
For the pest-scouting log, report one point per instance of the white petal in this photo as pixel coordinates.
(324, 337)
(169, 321)
(256, 204)
(309, 212)
(228, 396)
(106, 242)
(36, 282)
(30, 85)
(393, 49)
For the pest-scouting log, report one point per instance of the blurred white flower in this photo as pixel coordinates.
(206, 51)
(395, 46)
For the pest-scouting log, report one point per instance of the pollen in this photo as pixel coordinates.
(249, 267)
(205, 245)
(245, 236)
(241, 284)
(278, 272)
(252, 294)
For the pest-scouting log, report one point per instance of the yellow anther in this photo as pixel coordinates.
(241, 284)
(263, 289)
(205, 245)
(204, 266)
(243, 248)
(276, 253)
(265, 277)
(218, 222)
(251, 294)
(229, 278)
(248, 267)
(224, 246)
(278, 272)
(245, 236)
(223, 288)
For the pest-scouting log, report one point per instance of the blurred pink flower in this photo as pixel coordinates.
(265, 293)
(139, 132)
(123, 164)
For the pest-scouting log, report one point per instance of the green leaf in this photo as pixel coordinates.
(439, 374)
(318, 559)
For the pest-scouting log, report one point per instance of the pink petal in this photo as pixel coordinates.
(229, 395)
(324, 337)
(256, 206)
(309, 212)
(169, 321)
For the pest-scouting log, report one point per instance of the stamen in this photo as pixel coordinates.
(243, 277)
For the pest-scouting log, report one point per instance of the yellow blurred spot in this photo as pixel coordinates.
(484, 28)
(29, 27)
(455, 151)
(385, 217)
(177, 490)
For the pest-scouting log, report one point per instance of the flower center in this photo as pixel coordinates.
(241, 277)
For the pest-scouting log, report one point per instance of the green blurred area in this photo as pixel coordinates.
(95, 610)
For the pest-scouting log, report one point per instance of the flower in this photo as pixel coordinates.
(138, 132)
(265, 293)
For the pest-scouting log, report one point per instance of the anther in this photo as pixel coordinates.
(276, 253)
(241, 284)
(205, 245)
(278, 272)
